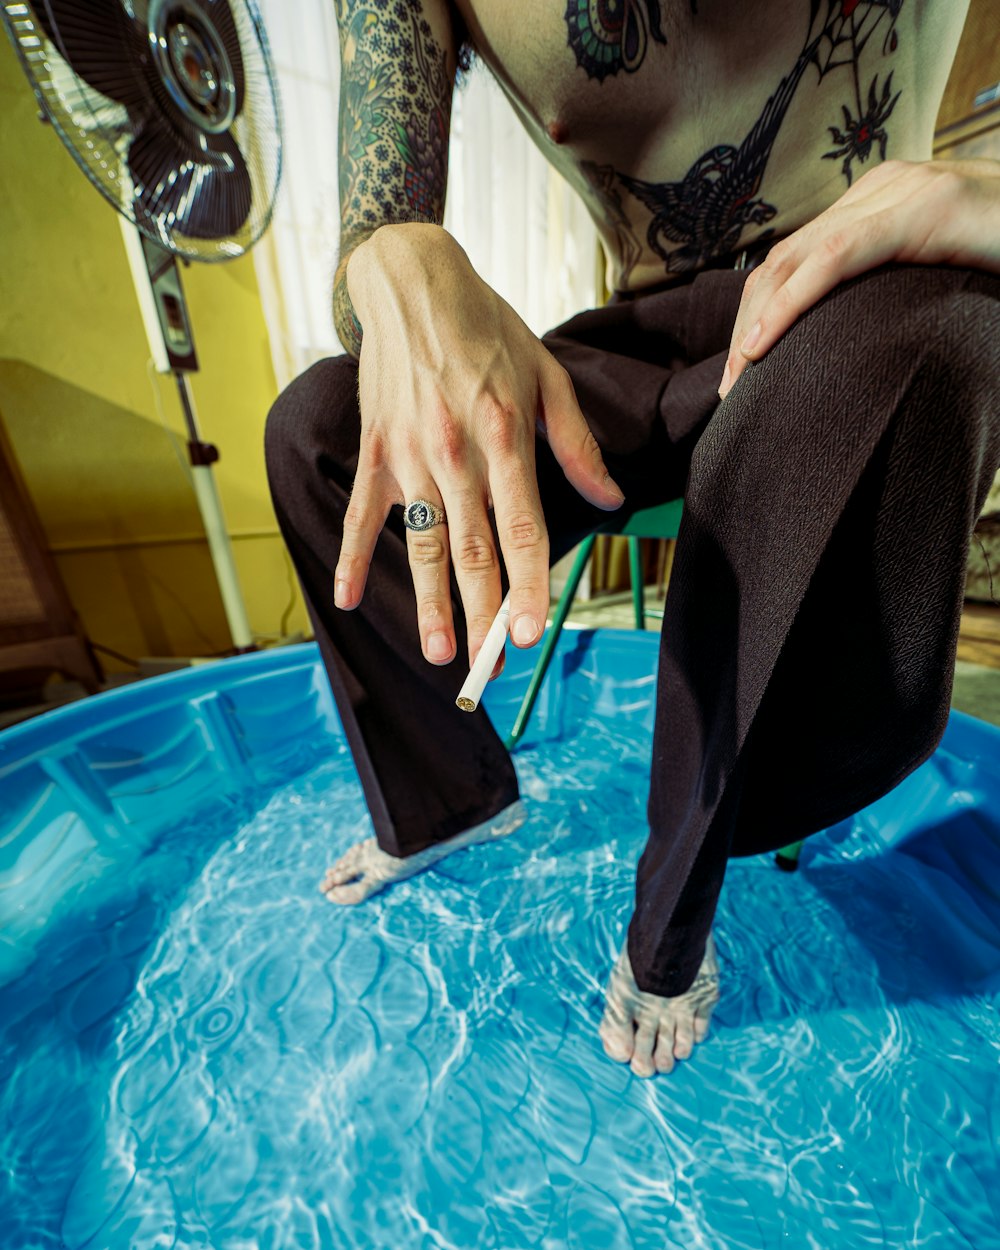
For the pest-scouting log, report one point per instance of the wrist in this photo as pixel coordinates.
(345, 320)
(397, 255)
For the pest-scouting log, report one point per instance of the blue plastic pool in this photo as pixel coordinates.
(197, 1050)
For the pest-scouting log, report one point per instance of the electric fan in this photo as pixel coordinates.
(171, 110)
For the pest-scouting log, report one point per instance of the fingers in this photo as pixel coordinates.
(363, 521)
(802, 271)
(427, 551)
(476, 564)
(572, 442)
(524, 540)
(461, 465)
(870, 224)
(464, 543)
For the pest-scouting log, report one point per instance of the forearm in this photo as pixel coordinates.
(398, 63)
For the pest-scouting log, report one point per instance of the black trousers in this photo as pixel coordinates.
(811, 621)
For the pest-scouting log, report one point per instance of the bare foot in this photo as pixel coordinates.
(366, 868)
(649, 1032)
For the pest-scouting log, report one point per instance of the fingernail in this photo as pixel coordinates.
(724, 384)
(750, 342)
(438, 646)
(613, 486)
(341, 592)
(525, 631)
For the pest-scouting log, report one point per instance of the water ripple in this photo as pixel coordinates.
(424, 1071)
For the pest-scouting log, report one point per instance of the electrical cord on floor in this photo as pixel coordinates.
(172, 594)
(172, 435)
(115, 655)
(178, 448)
(293, 594)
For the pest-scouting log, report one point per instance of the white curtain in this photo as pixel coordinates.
(525, 231)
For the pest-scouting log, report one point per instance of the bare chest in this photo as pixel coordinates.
(692, 127)
(586, 72)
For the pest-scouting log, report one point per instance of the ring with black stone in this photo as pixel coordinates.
(422, 515)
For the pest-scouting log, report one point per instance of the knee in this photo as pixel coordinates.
(885, 326)
(315, 417)
(921, 338)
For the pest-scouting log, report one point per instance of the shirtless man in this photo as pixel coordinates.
(699, 133)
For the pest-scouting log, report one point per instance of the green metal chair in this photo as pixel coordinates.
(662, 521)
(659, 522)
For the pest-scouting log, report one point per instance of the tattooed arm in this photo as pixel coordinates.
(398, 63)
(452, 384)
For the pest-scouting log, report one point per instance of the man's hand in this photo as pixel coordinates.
(453, 386)
(935, 213)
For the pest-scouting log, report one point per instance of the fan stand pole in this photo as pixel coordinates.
(202, 456)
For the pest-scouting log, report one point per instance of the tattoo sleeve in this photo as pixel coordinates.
(397, 74)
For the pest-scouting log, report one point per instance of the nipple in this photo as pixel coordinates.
(557, 131)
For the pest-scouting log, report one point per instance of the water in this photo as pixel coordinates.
(219, 1058)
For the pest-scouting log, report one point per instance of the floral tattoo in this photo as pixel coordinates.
(610, 35)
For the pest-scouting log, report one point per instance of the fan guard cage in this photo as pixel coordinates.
(170, 108)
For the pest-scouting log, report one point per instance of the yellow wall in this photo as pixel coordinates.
(80, 406)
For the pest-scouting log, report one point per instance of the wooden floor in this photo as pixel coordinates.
(979, 637)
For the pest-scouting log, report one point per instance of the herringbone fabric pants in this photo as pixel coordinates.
(811, 622)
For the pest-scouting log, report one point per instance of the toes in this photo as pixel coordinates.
(684, 1039)
(345, 869)
(700, 1027)
(642, 1055)
(665, 1043)
(617, 1037)
(356, 892)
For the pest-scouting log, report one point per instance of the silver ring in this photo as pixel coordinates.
(422, 515)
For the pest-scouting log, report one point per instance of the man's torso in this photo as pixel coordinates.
(694, 128)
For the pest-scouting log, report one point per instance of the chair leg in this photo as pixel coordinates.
(787, 858)
(638, 593)
(549, 643)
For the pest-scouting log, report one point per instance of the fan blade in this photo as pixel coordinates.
(100, 44)
(202, 190)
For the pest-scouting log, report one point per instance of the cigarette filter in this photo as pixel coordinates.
(479, 674)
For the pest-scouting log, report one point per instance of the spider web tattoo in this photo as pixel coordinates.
(847, 34)
(703, 215)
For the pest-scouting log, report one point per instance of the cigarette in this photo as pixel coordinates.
(489, 652)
